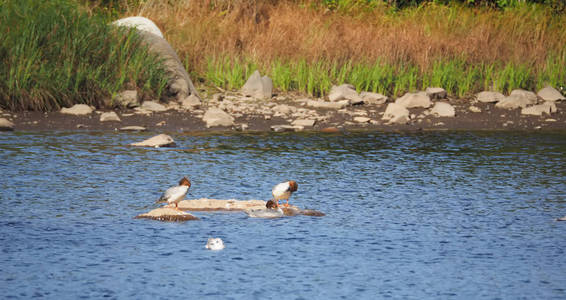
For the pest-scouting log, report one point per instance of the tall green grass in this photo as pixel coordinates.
(52, 55)
(458, 77)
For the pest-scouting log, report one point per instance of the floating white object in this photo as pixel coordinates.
(215, 244)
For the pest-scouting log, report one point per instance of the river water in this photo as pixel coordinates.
(412, 216)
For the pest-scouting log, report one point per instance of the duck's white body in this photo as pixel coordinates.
(265, 213)
(215, 244)
(174, 194)
(282, 191)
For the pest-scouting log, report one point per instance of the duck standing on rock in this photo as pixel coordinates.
(283, 191)
(176, 193)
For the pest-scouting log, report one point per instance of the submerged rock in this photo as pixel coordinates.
(161, 140)
(214, 244)
(167, 214)
(77, 110)
(265, 213)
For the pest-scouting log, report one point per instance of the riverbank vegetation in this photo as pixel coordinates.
(385, 46)
(60, 52)
(54, 54)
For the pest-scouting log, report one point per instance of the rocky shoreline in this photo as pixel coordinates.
(232, 111)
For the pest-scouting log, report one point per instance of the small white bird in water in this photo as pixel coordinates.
(283, 191)
(176, 193)
(215, 244)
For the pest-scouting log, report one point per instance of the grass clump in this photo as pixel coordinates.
(53, 54)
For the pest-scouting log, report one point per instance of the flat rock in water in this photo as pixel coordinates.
(6, 125)
(167, 214)
(133, 128)
(109, 117)
(77, 110)
(205, 204)
(161, 140)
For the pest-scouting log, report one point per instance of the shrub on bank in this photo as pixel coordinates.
(53, 54)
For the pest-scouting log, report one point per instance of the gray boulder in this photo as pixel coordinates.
(161, 140)
(77, 110)
(489, 97)
(411, 100)
(443, 109)
(127, 99)
(217, 117)
(550, 94)
(344, 92)
(396, 113)
(191, 102)
(258, 86)
(436, 93)
(153, 106)
(517, 99)
(373, 98)
(109, 117)
(537, 110)
(6, 125)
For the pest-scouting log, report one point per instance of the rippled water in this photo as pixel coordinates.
(431, 215)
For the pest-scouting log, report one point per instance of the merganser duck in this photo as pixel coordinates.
(215, 244)
(176, 193)
(271, 210)
(283, 191)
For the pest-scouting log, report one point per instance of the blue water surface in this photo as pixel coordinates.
(447, 215)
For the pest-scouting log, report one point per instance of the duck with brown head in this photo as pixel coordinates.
(284, 190)
(176, 194)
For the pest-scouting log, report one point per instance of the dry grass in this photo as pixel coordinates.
(266, 30)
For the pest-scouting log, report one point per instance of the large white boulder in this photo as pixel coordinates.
(411, 100)
(6, 125)
(373, 98)
(443, 109)
(537, 110)
(77, 110)
(344, 92)
(140, 23)
(161, 140)
(109, 117)
(258, 86)
(217, 117)
(550, 94)
(489, 97)
(396, 113)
